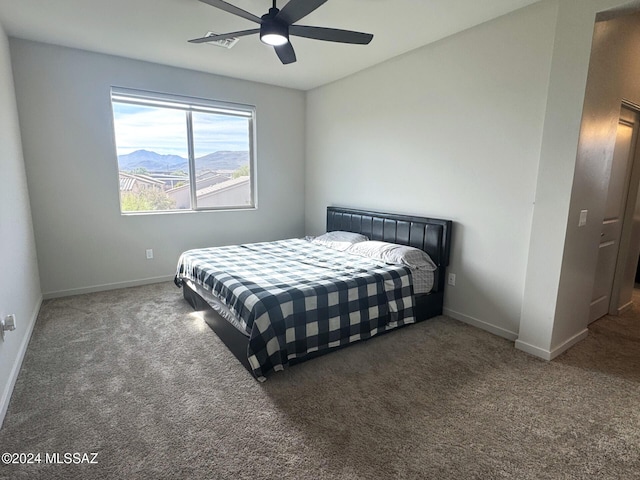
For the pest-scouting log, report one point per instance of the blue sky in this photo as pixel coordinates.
(164, 131)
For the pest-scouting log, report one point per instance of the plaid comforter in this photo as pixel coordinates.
(294, 297)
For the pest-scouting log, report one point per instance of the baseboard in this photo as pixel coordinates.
(533, 350)
(554, 352)
(567, 344)
(501, 332)
(15, 370)
(107, 286)
(626, 307)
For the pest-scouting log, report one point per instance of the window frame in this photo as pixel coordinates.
(190, 105)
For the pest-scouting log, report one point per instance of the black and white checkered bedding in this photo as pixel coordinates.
(293, 297)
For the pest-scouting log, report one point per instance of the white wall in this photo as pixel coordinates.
(83, 242)
(19, 284)
(451, 130)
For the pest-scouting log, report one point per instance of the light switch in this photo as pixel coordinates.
(583, 218)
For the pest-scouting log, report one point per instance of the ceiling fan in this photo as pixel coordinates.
(277, 25)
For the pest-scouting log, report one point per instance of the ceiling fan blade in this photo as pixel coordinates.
(297, 9)
(227, 7)
(224, 36)
(330, 34)
(285, 53)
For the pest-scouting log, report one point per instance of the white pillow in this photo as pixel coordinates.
(339, 240)
(393, 253)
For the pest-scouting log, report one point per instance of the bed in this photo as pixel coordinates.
(276, 304)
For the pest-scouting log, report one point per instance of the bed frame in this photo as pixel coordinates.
(429, 234)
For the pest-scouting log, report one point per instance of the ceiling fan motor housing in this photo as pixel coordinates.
(273, 31)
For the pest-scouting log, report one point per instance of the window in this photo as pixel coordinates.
(180, 153)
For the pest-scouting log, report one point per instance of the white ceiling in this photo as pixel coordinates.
(158, 30)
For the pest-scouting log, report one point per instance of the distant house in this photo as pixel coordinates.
(170, 180)
(182, 194)
(227, 173)
(236, 191)
(135, 183)
(215, 192)
(209, 178)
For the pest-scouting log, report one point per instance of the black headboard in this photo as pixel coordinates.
(432, 235)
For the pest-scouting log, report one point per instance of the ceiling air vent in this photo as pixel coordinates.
(226, 43)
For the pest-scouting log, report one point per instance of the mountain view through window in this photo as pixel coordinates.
(177, 156)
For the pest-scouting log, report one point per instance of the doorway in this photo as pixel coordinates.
(620, 235)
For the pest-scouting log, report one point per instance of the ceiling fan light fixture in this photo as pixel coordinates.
(274, 33)
(274, 39)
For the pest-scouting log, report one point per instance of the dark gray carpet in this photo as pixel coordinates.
(136, 377)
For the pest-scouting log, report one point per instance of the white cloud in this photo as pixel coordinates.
(164, 131)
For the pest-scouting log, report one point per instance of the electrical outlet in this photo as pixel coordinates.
(149, 253)
(7, 324)
(452, 279)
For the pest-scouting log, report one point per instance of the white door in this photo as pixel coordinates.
(614, 214)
